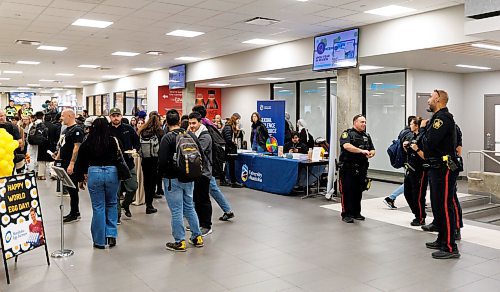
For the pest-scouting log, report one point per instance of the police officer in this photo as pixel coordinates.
(439, 140)
(356, 148)
(10, 111)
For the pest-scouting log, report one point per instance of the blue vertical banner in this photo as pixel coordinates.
(272, 113)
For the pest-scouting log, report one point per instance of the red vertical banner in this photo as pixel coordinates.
(211, 99)
(169, 99)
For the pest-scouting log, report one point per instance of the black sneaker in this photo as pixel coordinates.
(458, 235)
(359, 217)
(99, 246)
(176, 246)
(348, 219)
(226, 216)
(443, 255)
(433, 245)
(236, 185)
(127, 211)
(197, 241)
(430, 228)
(111, 241)
(205, 231)
(224, 184)
(417, 222)
(390, 203)
(150, 210)
(69, 215)
(158, 196)
(71, 219)
(119, 221)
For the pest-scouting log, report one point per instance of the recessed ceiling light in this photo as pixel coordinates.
(473, 67)
(88, 82)
(52, 48)
(126, 54)
(185, 33)
(271, 78)
(487, 46)
(260, 42)
(12, 72)
(4, 78)
(71, 86)
(92, 23)
(144, 69)
(112, 76)
(33, 84)
(46, 80)
(188, 58)
(56, 89)
(89, 66)
(302, 0)
(390, 10)
(155, 53)
(369, 67)
(219, 84)
(65, 74)
(27, 62)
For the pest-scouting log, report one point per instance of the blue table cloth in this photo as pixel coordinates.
(270, 174)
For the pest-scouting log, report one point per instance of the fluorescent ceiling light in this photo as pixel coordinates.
(487, 46)
(188, 58)
(155, 53)
(89, 66)
(144, 69)
(92, 23)
(473, 67)
(52, 48)
(112, 76)
(71, 86)
(260, 42)
(302, 0)
(88, 82)
(185, 33)
(46, 80)
(390, 10)
(33, 84)
(271, 78)
(56, 89)
(27, 62)
(369, 67)
(126, 54)
(219, 84)
(12, 72)
(4, 78)
(65, 74)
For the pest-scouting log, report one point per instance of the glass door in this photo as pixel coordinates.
(492, 131)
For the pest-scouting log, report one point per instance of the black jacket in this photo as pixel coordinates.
(51, 144)
(262, 134)
(166, 153)
(227, 133)
(129, 140)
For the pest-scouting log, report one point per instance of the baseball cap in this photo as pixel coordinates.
(115, 110)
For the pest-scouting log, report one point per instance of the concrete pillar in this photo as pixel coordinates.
(348, 98)
(188, 98)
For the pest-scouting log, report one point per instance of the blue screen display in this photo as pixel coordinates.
(336, 50)
(177, 77)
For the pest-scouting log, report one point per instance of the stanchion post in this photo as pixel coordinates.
(62, 253)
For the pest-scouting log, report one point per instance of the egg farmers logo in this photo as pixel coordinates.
(8, 236)
(244, 173)
(248, 174)
(321, 47)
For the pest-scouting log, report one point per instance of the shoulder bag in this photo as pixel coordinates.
(121, 165)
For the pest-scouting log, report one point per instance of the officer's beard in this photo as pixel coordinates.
(429, 110)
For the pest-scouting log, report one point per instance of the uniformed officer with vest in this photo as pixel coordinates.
(439, 140)
(10, 111)
(356, 148)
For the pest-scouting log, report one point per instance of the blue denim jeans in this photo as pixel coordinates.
(397, 192)
(218, 196)
(180, 203)
(103, 185)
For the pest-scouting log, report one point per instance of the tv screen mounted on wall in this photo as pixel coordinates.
(336, 50)
(177, 77)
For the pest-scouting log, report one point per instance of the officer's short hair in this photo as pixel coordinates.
(442, 94)
(357, 117)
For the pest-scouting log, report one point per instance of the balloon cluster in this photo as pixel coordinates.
(7, 147)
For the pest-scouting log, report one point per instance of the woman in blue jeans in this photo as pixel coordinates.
(97, 158)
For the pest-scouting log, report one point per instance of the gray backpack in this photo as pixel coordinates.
(149, 146)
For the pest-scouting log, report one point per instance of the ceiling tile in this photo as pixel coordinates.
(113, 10)
(72, 5)
(127, 3)
(336, 12)
(21, 8)
(165, 7)
(182, 2)
(364, 5)
(219, 5)
(101, 16)
(64, 13)
(38, 2)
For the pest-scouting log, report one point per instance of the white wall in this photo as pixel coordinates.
(243, 100)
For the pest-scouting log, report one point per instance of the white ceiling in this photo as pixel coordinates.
(140, 26)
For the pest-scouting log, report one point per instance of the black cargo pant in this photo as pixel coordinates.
(202, 203)
(352, 183)
(442, 182)
(415, 188)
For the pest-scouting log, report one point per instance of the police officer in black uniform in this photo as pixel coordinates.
(356, 148)
(10, 111)
(439, 140)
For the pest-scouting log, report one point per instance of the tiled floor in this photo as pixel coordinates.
(275, 243)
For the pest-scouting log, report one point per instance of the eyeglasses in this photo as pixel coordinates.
(437, 91)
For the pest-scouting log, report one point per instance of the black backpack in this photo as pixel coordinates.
(218, 151)
(187, 158)
(38, 134)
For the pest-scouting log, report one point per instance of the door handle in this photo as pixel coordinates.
(489, 144)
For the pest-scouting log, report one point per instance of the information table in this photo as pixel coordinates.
(274, 174)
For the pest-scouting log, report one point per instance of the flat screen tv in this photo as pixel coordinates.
(336, 50)
(177, 77)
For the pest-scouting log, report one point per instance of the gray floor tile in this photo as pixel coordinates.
(481, 285)
(269, 285)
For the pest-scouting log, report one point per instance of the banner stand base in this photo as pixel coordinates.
(62, 253)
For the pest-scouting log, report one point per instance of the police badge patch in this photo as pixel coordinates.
(344, 135)
(437, 124)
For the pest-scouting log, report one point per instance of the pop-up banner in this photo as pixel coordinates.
(272, 113)
(21, 216)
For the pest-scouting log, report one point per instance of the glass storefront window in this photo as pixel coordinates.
(105, 104)
(98, 108)
(118, 102)
(90, 105)
(385, 113)
(287, 92)
(130, 109)
(313, 106)
(142, 100)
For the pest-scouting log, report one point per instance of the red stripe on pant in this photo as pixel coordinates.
(447, 216)
(420, 196)
(457, 215)
(342, 195)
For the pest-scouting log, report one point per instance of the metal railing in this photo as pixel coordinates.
(483, 154)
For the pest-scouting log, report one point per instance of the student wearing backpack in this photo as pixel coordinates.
(150, 136)
(201, 197)
(38, 134)
(178, 183)
(51, 144)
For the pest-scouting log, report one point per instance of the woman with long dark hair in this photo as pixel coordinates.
(150, 135)
(259, 134)
(231, 127)
(97, 158)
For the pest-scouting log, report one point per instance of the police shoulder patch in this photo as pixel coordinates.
(437, 124)
(344, 135)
